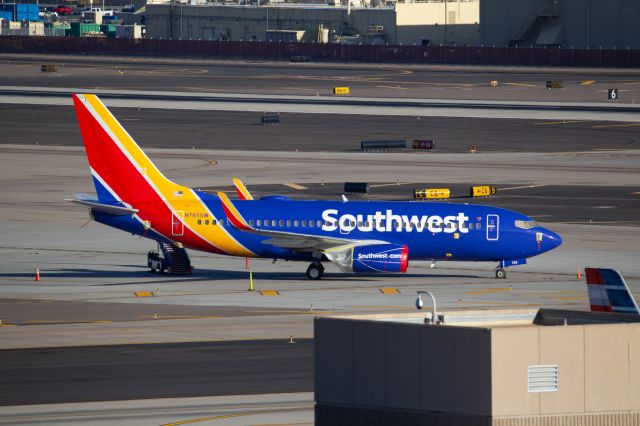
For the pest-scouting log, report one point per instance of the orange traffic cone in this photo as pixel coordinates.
(37, 274)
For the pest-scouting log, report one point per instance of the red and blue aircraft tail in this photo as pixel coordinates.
(121, 171)
(128, 183)
(609, 293)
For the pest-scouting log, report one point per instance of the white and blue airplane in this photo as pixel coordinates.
(363, 237)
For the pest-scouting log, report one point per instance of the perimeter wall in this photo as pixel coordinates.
(323, 52)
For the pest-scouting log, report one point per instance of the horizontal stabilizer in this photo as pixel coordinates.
(93, 203)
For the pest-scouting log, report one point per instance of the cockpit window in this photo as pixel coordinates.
(526, 224)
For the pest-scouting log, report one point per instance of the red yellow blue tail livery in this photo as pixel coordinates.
(365, 237)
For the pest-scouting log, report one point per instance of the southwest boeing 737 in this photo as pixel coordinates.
(364, 237)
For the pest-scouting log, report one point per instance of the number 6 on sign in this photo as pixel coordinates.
(613, 94)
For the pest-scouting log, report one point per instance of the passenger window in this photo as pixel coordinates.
(281, 222)
(266, 223)
(199, 222)
(295, 223)
(251, 222)
(213, 222)
(304, 223)
(259, 222)
(206, 222)
(289, 223)
(478, 225)
(312, 223)
(228, 222)
(274, 223)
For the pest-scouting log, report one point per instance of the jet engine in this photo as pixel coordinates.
(371, 258)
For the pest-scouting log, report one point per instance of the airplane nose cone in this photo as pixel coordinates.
(551, 239)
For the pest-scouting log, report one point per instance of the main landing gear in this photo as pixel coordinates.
(501, 274)
(315, 271)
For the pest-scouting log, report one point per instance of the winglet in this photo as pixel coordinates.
(232, 213)
(608, 292)
(242, 190)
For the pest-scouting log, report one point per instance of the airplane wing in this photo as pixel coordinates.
(609, 293)
(93, 203)
(290, 240)
(242, 190)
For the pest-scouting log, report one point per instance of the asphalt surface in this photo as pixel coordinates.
(59, 375)
(162, 128)
(441, 82)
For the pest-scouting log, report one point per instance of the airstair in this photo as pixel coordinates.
(173, 261)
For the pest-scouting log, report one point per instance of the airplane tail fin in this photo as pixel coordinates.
(121, 171)
(608, 292)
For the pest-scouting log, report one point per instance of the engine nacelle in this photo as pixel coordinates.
(380, 258)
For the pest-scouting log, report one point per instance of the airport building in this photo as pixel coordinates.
(508, 368)
(525, 23)
(400, 23)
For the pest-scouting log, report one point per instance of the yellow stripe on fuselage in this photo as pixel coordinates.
(188, 202)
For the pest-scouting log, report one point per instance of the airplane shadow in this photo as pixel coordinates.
(207, 275)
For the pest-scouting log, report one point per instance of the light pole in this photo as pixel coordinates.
(420, 305)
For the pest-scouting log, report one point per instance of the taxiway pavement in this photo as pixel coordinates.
(284, 78)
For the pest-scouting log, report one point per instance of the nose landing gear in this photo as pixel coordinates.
(501, 274)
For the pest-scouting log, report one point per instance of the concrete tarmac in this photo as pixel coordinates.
(96, 265)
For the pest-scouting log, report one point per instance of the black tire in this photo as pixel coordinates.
(315, 272)
(501, 274)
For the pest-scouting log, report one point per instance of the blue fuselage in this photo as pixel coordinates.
(430, 230)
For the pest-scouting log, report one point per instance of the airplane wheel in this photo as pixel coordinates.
(315, 272)
(501, 273)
